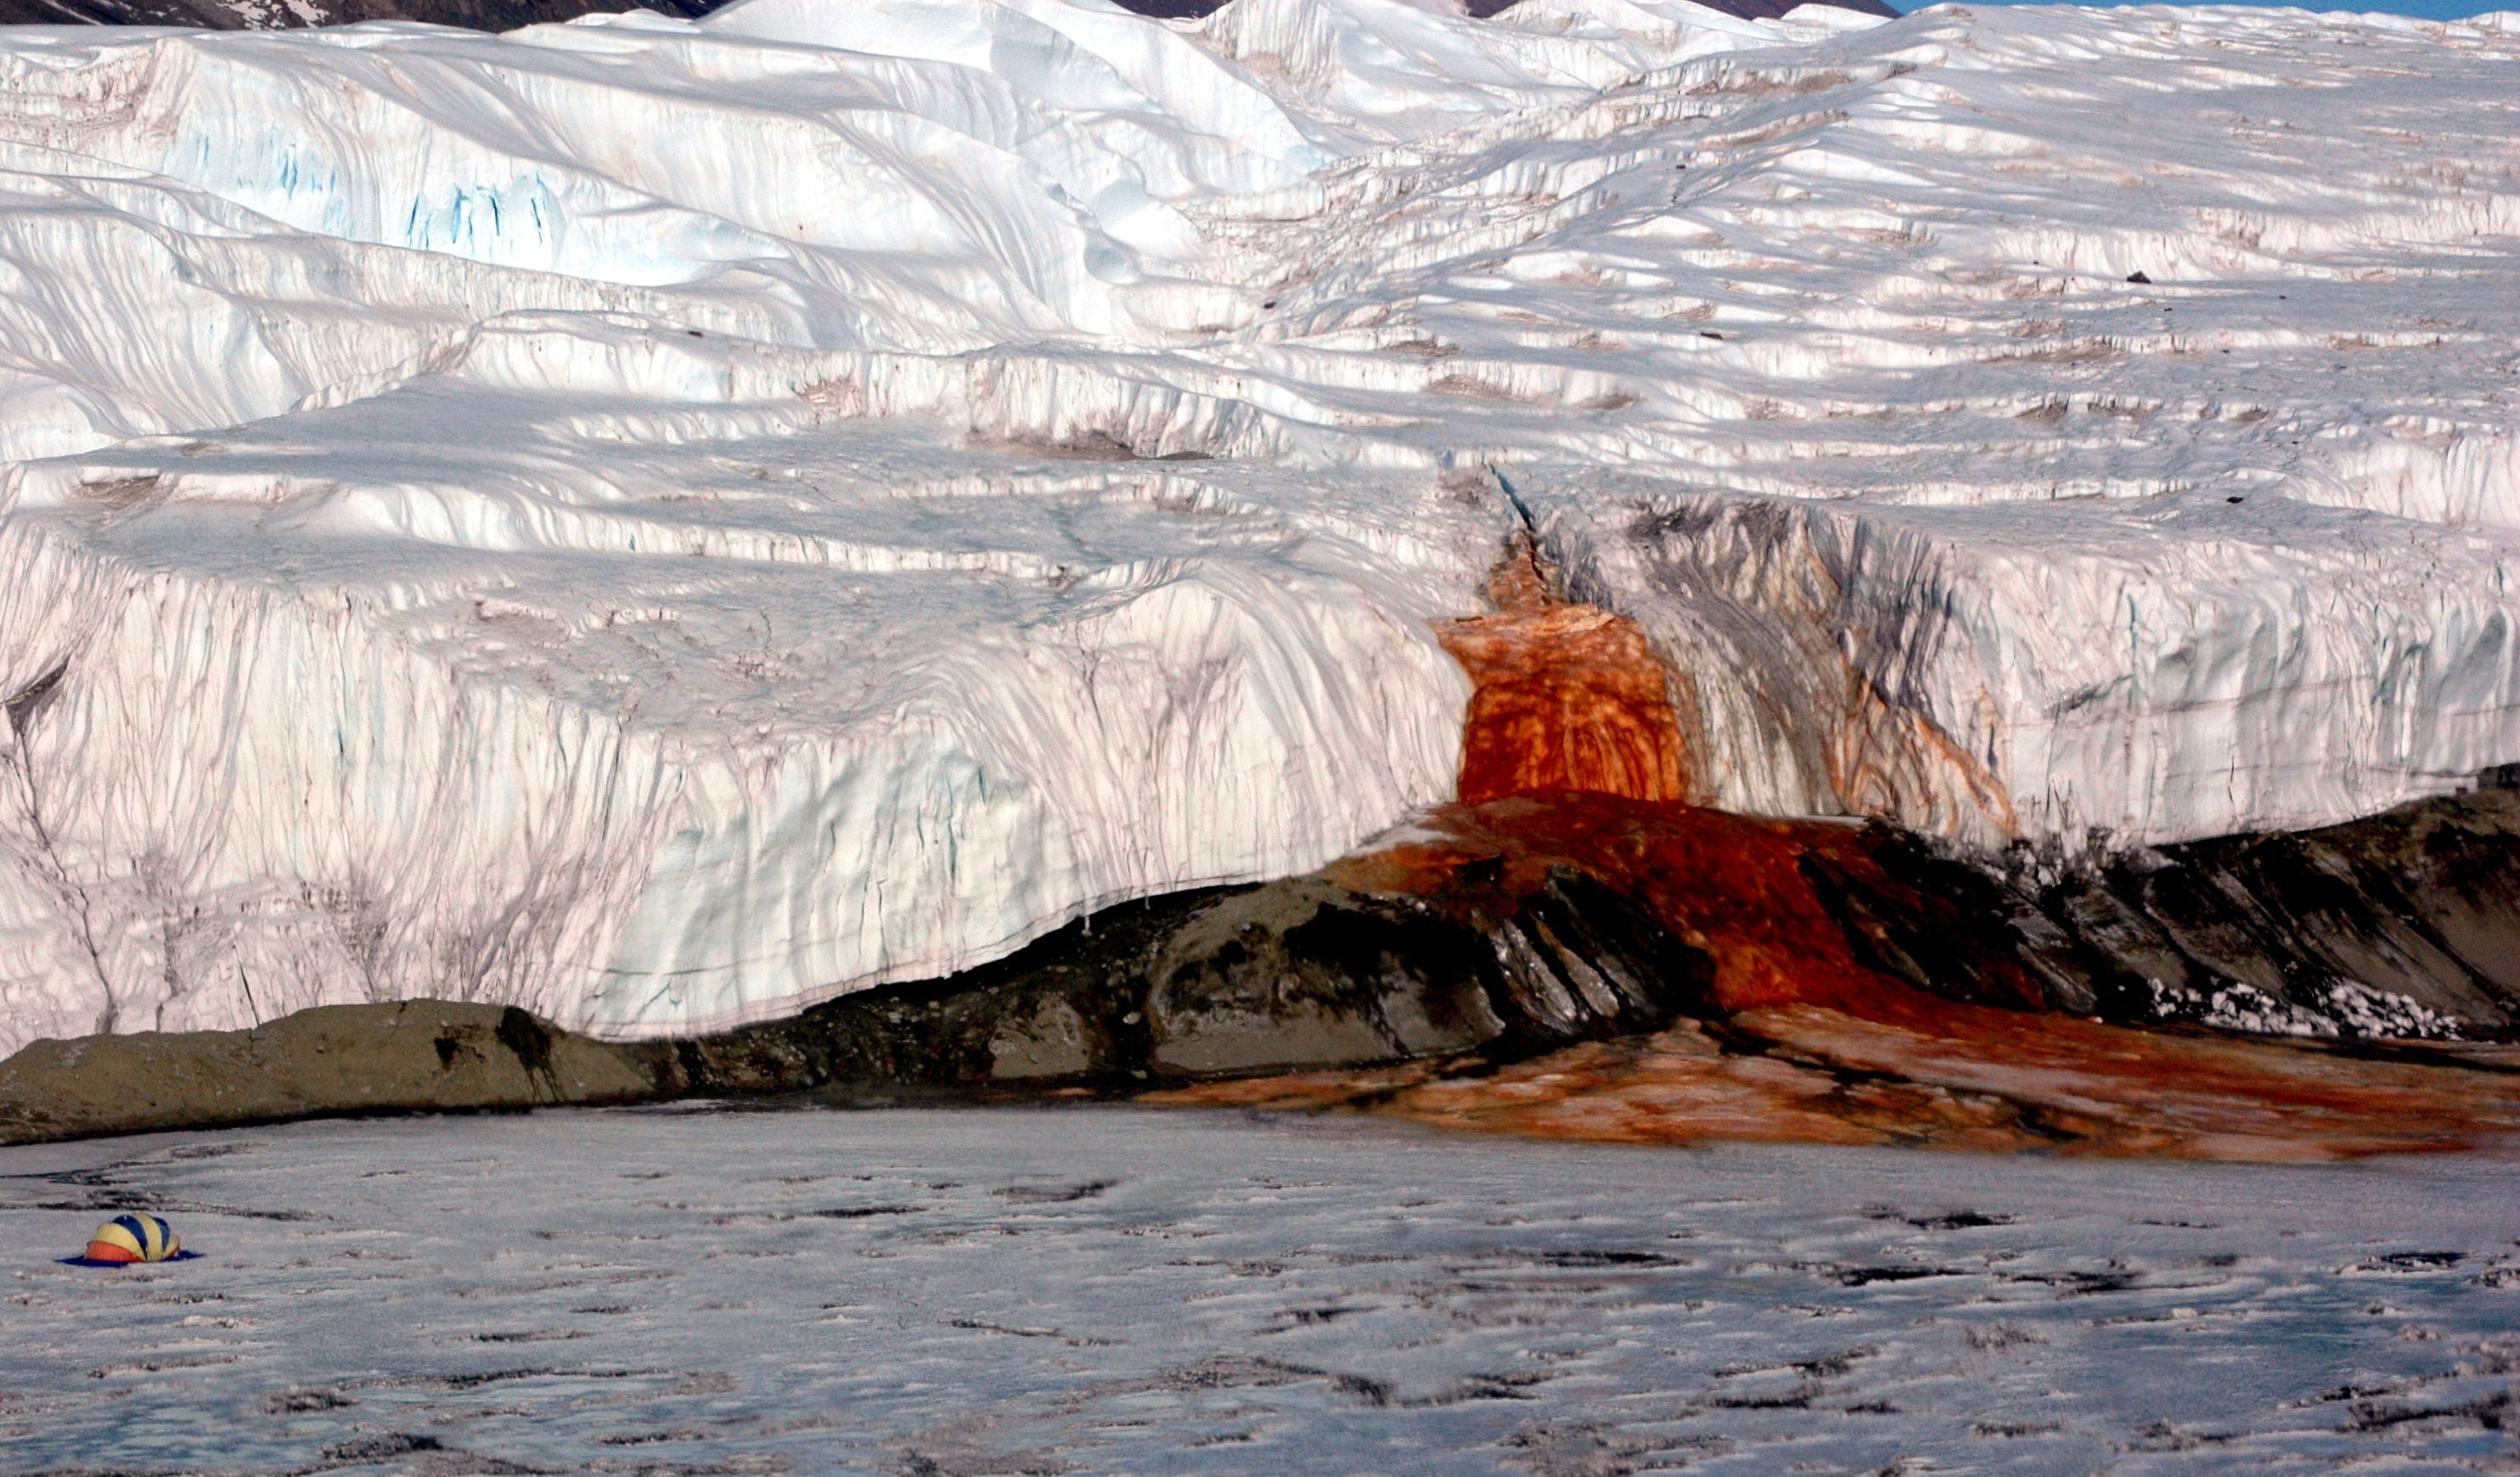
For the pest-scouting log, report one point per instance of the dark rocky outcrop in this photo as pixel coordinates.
(2406, 924)
(1221, 982)
(1296, 974)
(405, 1056)
(2401, 926)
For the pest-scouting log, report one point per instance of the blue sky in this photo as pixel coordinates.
(2430, 9)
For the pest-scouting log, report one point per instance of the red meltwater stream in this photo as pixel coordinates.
(1573, 757)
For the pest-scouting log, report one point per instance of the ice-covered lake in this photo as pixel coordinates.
(1100, 1289)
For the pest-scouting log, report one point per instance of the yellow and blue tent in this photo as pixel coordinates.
(129, 1238)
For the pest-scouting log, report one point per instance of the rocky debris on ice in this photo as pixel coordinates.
(665, 524)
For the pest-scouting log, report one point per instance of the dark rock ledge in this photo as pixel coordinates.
(404, 1056)
(2366, 936)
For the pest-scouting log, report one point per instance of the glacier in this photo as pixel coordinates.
(667, 523)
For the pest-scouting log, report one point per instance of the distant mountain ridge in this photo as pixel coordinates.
(508, 14)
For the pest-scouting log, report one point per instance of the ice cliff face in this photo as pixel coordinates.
(663, 522)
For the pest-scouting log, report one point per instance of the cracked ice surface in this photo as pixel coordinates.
(664, 522)
(1113, 1290)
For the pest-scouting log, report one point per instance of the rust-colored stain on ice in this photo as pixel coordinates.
(1818, 1047)
(1563, 696)
(1572, 758)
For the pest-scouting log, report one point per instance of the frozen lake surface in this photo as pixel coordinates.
(1103, 1290)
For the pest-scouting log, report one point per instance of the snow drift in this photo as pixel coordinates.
(664, 522)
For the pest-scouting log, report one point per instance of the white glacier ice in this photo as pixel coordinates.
(665, 522)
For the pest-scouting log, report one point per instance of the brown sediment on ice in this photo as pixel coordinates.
(1678, 1088)
(1853, 990)
(1802, 1041)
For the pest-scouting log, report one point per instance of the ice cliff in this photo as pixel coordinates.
(666, 522)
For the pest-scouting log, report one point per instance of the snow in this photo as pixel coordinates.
(1118, 1290)
(2246, 1008)
(664, 522)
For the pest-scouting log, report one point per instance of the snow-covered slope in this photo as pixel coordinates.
(288, 14)
(508, 14)
(664, 522)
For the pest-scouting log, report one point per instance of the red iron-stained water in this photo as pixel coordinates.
(1563, 696)
(1573, 757)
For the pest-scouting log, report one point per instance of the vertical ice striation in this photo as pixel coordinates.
(2128, 672)
(278, 773)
